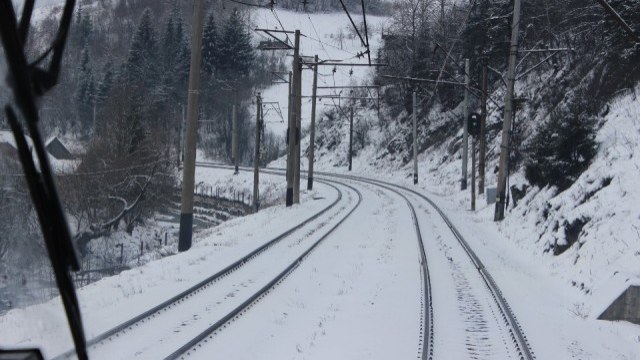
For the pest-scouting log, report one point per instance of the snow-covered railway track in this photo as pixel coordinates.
(479, 316)
(291, 241)
(203, 337)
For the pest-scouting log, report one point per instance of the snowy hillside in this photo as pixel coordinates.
(330, 36)
(369, 266)
(588, 235)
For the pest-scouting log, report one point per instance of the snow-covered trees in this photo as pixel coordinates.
(125, 174)
(236, 55)
(175, 55)
(596, 60)
(563, 148)
(142, 61)
(210, 46)
(86, 91)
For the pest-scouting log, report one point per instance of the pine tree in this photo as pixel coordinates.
(563, 148)
(81, 29)
(105, 86)
(183, 55)
(210, 46)
(86, 93)
(175, 53)
(236, 54)
(141, 64)
(168, 44)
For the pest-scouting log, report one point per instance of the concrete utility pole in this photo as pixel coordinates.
(415, 139)
(292, 122)
(181, 140)
(351, 139)
(193, 105)
(508, 114)
(234, 137)
(483, 127)
(288, 129)
(465, 136)
(256, 159)
(312, 135)
(298, 104)
(473, 174)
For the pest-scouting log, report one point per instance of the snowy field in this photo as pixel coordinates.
(330, 36)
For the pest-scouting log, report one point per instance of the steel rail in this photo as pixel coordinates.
(427, 336)
(426, 328)
(129, 324)
(208, 334)
(515, 330)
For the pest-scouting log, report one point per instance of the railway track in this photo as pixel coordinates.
(471, 306)
(311, 225)
(194, 344)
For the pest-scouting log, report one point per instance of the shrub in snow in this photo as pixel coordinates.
(562, 149)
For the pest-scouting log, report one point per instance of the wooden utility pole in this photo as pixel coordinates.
(351, 139)
(483, 127)
(465, 136)
(193, 105)
(508, 114)
(256, 159)
(234, 137)
(312, 135)
(292, 122)
(415, 139)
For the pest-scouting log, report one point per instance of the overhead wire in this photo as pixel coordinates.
(447, 57)
(248, 4)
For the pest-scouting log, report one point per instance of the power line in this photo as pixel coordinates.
(366, 32)
(248, 4)
(355, 27)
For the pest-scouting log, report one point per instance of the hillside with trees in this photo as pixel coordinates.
(121, 101)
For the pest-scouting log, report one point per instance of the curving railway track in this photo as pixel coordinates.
(462, 313)
(478, 297)
(218, 296)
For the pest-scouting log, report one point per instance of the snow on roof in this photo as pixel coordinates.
(58, 165)
(49, 140)
(6, 136)
(605, 294)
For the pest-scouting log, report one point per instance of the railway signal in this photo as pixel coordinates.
(473, 124)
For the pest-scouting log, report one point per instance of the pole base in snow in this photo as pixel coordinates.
(415, 179)
(186, 232)
(463, 185)
(289, 199)
(499, 213)
(310, 183)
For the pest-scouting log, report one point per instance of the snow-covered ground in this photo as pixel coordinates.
(113, 300)
(357, 295)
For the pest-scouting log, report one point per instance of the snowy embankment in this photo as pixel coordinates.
(565, 292)
(113, 300)
(271, 190)
(596, 218)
